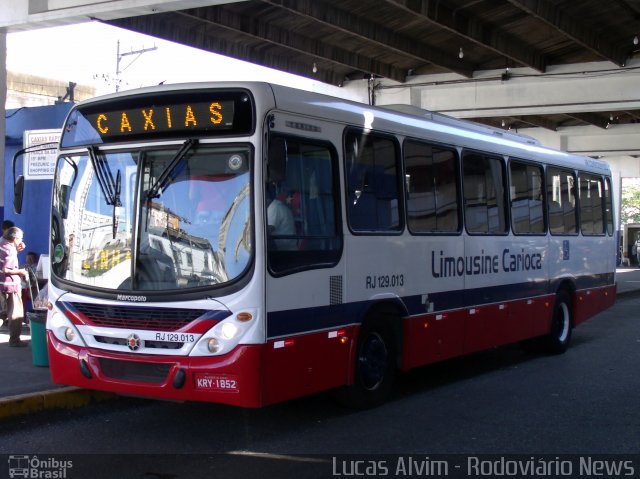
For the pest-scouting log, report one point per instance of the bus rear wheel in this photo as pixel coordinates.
(559, 337)
(374, 369)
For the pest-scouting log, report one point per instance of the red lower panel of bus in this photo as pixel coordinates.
(285, 368)
(250, 376)
(306, 364)
(231, 379)
(434, 337)
(590, 302)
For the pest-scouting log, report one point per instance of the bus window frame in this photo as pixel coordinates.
(336, 189)
(610, 222)
(543, 177)
(401, 197)
(178, 294)
(576, 208)
(505, 199)
(458, 181)
(579, 175)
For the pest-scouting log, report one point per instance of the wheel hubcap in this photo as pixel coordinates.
(373, 361)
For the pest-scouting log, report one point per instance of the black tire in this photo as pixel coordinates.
(375, 367)
(559, 337)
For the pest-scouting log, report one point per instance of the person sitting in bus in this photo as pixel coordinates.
(280, 221)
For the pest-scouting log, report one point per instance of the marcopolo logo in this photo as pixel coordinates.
(130, 297)
(38, 468)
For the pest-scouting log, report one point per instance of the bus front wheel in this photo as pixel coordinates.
(559, 337)
(374, 369)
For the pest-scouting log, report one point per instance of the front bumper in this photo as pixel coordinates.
(232, 379)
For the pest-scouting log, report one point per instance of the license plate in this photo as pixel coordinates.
(217, 383)
(175, 337)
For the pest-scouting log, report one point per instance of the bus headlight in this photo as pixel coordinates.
(225, 335)
(228, 330)
(63, 329)
(213, 345)
(70, 334)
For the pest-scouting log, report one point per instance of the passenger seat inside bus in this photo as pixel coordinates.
(372, 199)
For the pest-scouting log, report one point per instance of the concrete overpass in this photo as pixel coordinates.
(567, 73)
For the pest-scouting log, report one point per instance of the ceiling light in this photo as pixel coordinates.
(315, 68)
(461, 54)
(635, 40)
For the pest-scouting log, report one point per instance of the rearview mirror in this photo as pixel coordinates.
(18, 181)
(18, 192)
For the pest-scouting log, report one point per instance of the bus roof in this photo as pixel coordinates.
(404, 120)
(430, 125)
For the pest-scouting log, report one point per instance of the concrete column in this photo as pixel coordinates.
(3, 100)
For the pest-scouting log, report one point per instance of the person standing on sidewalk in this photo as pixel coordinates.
(6, 224)
(10, 283)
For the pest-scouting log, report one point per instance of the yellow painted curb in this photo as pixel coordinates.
(63, 398)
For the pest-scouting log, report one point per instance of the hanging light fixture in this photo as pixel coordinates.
(460, 54)
(635, 40)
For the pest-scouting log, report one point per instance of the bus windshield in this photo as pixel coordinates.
(152, 219)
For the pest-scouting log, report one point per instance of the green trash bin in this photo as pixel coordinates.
(38, 325)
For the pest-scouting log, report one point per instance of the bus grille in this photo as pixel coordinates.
(134, 371)
(147, 344)
(153, 319)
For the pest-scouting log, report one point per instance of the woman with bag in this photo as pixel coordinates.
(10, 283)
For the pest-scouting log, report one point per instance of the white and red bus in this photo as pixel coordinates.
(248, 243)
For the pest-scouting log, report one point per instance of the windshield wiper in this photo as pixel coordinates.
(109, 187)
(117, 203)
(165, 176)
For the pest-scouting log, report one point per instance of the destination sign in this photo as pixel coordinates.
(193, 113)
(186, 117)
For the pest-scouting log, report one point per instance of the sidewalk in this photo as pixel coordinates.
(25, 388)
(628, 279)
(18, 374)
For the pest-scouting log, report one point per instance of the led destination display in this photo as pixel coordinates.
(161, 116)
(186, 117)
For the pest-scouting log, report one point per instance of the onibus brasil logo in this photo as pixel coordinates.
(38, 468)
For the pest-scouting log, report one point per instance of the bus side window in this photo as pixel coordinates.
(432, 191)
(526, 198)
(484, 199)
(308, 189)
(373, 178)
(591, 204)
(561, 201)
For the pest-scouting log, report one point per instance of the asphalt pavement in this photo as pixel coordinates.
(26, 386)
